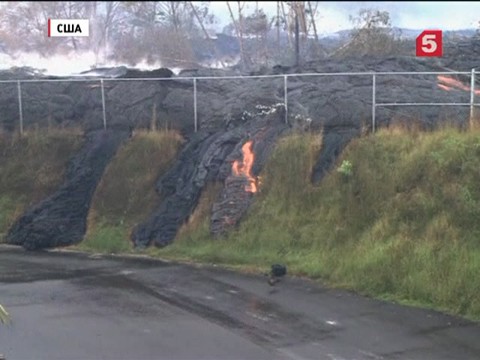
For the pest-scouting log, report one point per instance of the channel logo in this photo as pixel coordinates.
(429, 43)
(68, 27)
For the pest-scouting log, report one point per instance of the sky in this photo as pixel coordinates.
(334, 16)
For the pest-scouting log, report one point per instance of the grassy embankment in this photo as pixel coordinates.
(402, 224)
(32, 167)
(126, 194)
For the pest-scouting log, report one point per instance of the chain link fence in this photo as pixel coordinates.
(37, 99)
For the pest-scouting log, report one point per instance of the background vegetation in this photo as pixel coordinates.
(184, 33)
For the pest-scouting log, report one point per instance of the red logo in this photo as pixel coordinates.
(430, 44)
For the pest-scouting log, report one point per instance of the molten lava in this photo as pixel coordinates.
(447, 83)
(244, 168)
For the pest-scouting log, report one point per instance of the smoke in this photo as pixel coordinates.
(69, 64)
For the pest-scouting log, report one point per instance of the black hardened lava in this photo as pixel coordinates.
(208, 156)
(229, 113)
(61, 219)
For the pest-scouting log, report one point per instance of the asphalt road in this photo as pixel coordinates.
(75, 306)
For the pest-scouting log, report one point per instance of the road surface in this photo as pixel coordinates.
(78, 306)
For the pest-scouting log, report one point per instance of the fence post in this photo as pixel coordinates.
(285, 94)
(195, 115)
(374, 105)
(472, 98)
(20, 109)
(103, 106)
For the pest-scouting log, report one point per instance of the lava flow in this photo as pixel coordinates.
(244, 168)
(450, 84)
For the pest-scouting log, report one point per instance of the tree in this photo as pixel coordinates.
(152, 30)
(245, 60)
(297, 24)
(312, 12)
(161, 30)
(300, 23)
(28, 21)
(105, 22)
(372, 35)
(258, 25)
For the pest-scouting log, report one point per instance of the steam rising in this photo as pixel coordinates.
(65, 65)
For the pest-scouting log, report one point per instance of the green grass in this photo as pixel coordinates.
(403, 226)
(126, 194)
(32, 167)
(104, 238)
(399, 221)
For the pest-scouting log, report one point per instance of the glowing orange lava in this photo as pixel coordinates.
(244, 168)
(447, 83)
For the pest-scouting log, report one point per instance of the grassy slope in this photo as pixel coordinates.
(402, 226)
(31, 167)
(126, 193)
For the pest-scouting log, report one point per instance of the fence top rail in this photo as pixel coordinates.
(240, 77)
(424, 104)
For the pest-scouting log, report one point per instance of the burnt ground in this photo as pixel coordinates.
(61, 218)
(78, 306)
(208, 157)
(230, 113)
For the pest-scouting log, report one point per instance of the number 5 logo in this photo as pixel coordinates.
(429, 43)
